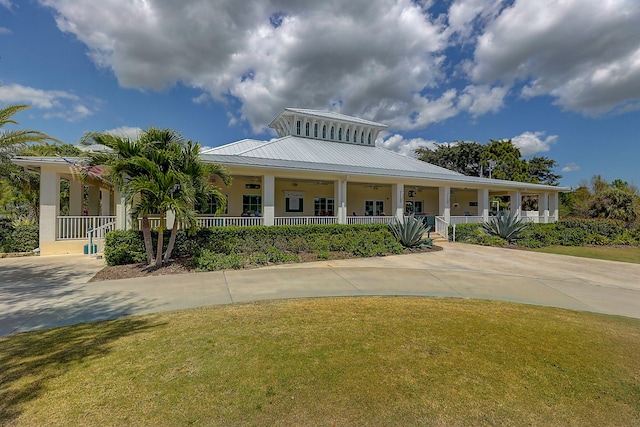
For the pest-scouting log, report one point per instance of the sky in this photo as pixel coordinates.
(561, 78)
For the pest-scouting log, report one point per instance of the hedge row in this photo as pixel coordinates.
(258, 244)
(570, 232)
(18, 237)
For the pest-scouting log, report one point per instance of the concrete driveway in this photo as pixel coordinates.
(44, 292)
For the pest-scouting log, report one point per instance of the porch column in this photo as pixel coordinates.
(340, 194)
(553, 207)
(397, 201)
(516, 202)
(76, 196)
(483, 204)
(444, 202)
(93, 205)
(49, 205)
(268, 199)
(171, 217)
(543, 206)
(123, 220)
(105, 202)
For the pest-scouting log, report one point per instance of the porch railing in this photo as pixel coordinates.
(225, 221)
(96, 238)
(304, 220)
(442, 227)
(370, 219)
(466, 220)
(76, 227)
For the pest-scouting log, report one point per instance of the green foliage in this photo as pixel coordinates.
(409, 231)
(211, 261)
(539, 235)
(258, 245)
(614, 204)
(507, 226)
(608, 228)
(18, 236)
(473, 159)
(124, 247)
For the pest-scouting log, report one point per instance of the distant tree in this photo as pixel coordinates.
(474, 159)
(12, 140)
(460, 156)
(509, 164)
(541, 170)
(613, 203)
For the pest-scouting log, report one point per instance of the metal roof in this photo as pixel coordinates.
(235, 147)
(330, 115)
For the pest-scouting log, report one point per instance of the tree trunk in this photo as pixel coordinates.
(172, 240)
(163, 223)
(148, 244)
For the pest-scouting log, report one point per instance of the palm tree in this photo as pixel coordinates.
(11, 140)
(158, 172)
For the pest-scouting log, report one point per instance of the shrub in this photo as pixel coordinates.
(211, 261)
(409, 231)
(124, 247)
(538, 236)
(6, 235)
(466, 233)
(605, 227)
(507, 226)
(25, 237)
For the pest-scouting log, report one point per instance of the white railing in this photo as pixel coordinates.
(225, 221)
(370, 219)
(304, 220)
(442, 227)
(76, 227)
(96, 237)
(466, 219)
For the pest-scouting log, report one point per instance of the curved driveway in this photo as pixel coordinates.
(44, 292)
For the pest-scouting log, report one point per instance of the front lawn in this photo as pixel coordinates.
(610, 253)
(334, 361)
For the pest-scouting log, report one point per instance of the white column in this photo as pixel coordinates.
(553, 207)
(170, 217)
(105, 202)
(93, 204)
(76, 196)
(543, 207)
(483, 204)
(268, 199)
(397, 201)
(123, 221)
(340, 196)
(516, 202)
(49, 205)
(444, 203)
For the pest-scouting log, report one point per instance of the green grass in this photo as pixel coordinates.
(610, 253)
(334, 361)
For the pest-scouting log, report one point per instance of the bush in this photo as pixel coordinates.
(260, 245)
(466, 233)
(506, 226)
(211, 261)
(124, 247)
(539, 235)
(409, 231)
(18, 236)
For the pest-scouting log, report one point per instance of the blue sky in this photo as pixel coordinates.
(561, 78)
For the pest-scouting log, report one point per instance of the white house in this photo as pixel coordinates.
(323, 168)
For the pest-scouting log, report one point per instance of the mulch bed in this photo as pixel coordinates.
(181, 265)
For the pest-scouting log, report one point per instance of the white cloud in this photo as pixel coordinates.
(533, 142)
(4, 30)
(404, 146)
(125, 131)
(56, 103)
(571, 167)
(6, 3)
(479, 100)
(584, 53)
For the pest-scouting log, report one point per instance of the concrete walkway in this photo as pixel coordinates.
(45, 292)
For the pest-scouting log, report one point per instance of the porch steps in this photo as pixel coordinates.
(437, 239)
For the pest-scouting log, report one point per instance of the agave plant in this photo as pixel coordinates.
(410, 231)
(506, 226)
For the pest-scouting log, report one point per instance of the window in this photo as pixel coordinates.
(251, 203)
(324, 131)
(340, 134)
(362, 138)
(293, 201)
(374, 207)
(315, 130)
(298, 127)
(306, 129)
(355, 136)
(332, 132)
(369, 139)
(323, 206)
(348, 134)
(210, 207)
(414, 206)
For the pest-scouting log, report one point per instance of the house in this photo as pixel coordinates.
(323, 168)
